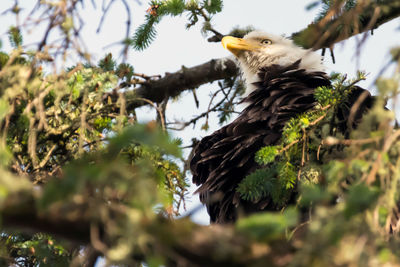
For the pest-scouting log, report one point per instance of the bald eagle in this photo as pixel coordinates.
(280, 82)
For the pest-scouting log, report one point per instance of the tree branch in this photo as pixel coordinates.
(179, 240)
(21, 214)
(327, 32)
(173, 84)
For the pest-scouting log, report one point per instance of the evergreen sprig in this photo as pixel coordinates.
(171, 7)
(266, 183)
(324, 95)
(15, 37)
(125, 71)
(146, 32)
(213, 6)
(262, 179)
(287, 174)
(4, 57)
(107, 63)
(266, 155)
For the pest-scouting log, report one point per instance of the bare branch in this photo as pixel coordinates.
(173, 84)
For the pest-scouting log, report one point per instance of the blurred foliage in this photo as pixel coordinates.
(71, 136)
(15, 37)
(37, 250)
(80, 178)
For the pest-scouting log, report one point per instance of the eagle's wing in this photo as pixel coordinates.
(221, 160)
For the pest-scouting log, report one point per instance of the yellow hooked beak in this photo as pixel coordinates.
(238, 45)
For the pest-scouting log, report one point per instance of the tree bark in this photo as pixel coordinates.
(173, 84)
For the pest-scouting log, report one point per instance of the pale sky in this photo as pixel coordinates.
(176, 46)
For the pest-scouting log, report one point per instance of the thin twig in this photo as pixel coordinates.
(332, 141)
(105, 11)
(95, 239)
(47, 157)
(156, 108)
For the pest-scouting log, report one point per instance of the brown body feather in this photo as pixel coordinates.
(222, 159)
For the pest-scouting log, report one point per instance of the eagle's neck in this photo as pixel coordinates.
(252, 63)
(250, 77)
(289, 81)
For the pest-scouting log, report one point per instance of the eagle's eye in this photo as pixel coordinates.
(266, 42)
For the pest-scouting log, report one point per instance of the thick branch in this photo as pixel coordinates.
(327, 32)
(179, 240)
(172, 84)
(22, 215)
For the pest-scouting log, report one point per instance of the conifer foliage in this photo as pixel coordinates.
(81, 179)
(146, 33)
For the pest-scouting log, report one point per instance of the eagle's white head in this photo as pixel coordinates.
(259, 49)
